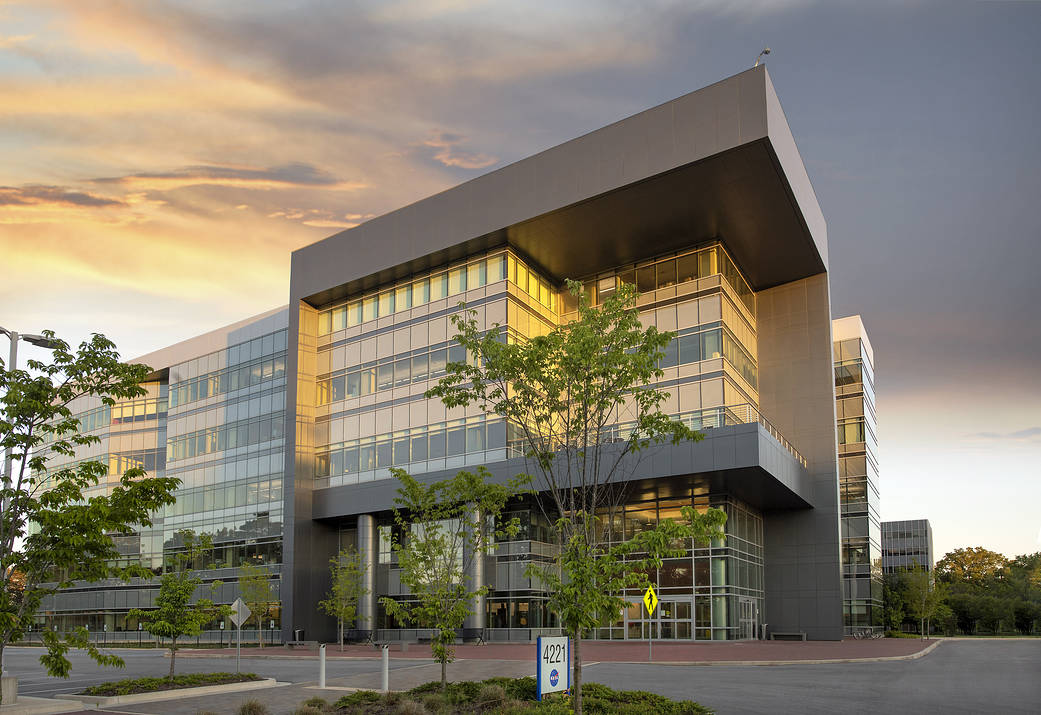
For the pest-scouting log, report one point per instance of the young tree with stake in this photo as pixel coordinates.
(257, 594)
(348, 586)
(445, 531)
(583, 401)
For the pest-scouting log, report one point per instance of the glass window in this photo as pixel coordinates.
(419, 368)
(336, 463)
(401, 453)
(645, 279)
(438, 363)
(325, 324)
(522, 276)
(369, 308)
(368, 380)
(457, 353)
(350, 460)
(475, 438)
(353, 384)
(456, 281)
(707, 264)
(711, 344)
(383, 453)
(628, 277)
(402, 372)
(689, 349)
(366, 456)
(337, 387)
(476, 274)
(386, 303)
(403, 297)
(385, 376)
(421, 292)
(496, 434)
(323, 392)
(496, 268)
(438, 286)
(687, 268)
(354, 313)
(666, 274)
(419, 448)
(670, 356)
(340, 317)
(456, 439)
(437, 444)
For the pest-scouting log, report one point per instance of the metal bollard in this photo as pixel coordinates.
(321, 666)
(386, 668)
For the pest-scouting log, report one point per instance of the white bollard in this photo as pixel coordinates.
(386, 668)
(321, 666)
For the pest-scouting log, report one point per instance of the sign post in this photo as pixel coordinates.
(239, 614)
(650, 600)
(553, 669)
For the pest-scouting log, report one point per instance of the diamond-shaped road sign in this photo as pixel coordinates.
(239, 612)
(650, 599)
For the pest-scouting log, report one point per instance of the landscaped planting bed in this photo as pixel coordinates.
(133, 686)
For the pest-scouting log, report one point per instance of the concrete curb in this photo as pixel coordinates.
(28, 705)
(100, 701)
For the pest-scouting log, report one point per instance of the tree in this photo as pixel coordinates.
(580, 400)
(347, 588)
(56, 527)
(445, 532)
(923, 595)
(175, 616)
(892, 601)
(971, 565)
(255, 587)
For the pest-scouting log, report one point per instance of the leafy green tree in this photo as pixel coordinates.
(446, 532)
(257, 594)
(892, 602)
(56, 526)
(176, 615)
(923, 595)
(348, 586)
(582, 403)
(972, 565)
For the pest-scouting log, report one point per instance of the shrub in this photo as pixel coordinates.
(410, 707)
(361, 701)
(317, 702)
(308, 710)
(253, 707)
(490, 694)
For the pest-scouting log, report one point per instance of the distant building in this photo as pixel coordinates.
(858, 474)
(906, 544)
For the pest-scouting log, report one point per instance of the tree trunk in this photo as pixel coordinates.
(444, 675)
(576, 682)
(341, 635)
(173, 656)
(260, 631)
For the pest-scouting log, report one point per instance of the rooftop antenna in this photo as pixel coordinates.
(766, 51)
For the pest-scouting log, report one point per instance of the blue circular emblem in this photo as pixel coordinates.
(554, 676)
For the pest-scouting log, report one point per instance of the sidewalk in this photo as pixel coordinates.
(701, 653)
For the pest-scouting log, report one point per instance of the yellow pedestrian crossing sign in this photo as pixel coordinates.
(650, 599)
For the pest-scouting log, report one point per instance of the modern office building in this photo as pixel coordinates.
(907, 544)
(213, 417)
(704, 204)
(858, 475)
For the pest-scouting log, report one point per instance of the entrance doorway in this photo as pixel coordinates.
(672, 620)
(748, 618)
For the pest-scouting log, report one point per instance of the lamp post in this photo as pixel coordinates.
(12, 364)
(766, 51)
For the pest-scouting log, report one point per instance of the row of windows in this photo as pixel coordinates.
(697, 344)
(424, 364)
(226, 496)
(215, 439)
(123, 413)
(436, 286)
(246, 351)
(436, 441)
(227, 380)
(668, 272)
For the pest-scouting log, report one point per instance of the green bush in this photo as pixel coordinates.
(317, 702)
(132, 686)
(900, 634)
(308, 710)
(253, 707)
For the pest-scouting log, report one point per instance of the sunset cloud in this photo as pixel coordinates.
(450, 154)
(293, 175)
(55, 196)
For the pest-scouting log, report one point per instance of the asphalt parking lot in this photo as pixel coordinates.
(979, 676)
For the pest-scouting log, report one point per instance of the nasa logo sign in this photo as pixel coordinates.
(554, 676)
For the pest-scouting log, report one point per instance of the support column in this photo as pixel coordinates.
(477, 620)
(368, 548)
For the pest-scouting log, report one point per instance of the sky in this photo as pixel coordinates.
(161, 160)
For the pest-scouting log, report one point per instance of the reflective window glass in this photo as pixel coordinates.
(402, 372)
(456, 281)
(687, 268)
(368, 309)
(496, 268)
(438, 286)
(385, 376)
(419, 368)
(476, 275)
(386, 303)
(419, 448)
(437, 444)
(421, 292)
(340, 318)
(403, 297)
(666, 274)
(645, 279)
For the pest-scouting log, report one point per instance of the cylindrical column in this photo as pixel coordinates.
(368, 548)
(385, 657)
(475, 575)
(321, 666)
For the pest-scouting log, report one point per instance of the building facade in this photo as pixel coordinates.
(858, 475)
(213, 418)
(702, 203)
(907, 545)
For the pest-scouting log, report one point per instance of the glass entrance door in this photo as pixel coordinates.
(672, 620)
(749, 618)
